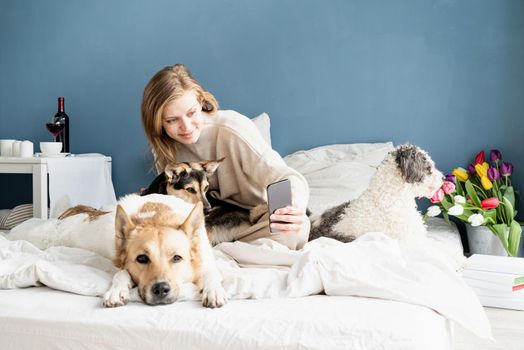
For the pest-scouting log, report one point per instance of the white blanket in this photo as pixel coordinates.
(372, 266)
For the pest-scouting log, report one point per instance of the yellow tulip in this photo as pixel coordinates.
(461, 174)
(486, 183)
(482, 169)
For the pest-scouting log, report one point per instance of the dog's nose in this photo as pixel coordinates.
(161, 289)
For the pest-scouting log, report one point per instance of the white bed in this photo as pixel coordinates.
(43, 318)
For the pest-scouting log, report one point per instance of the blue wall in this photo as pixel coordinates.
(447, 75)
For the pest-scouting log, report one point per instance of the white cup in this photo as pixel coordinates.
(6, 148)
(26, 149)
(50, 148)
(16, 148)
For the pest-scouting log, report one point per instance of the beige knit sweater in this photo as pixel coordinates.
(250, 164)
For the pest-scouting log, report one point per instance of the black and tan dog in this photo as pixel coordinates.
(189, 181)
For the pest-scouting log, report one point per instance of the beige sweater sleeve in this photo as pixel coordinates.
(254, 164)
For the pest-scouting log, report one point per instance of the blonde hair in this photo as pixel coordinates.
(167, 85)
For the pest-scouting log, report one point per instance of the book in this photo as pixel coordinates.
(502, 303)
(498, 281)
(495, 263)
(493, 287)
(502, 280)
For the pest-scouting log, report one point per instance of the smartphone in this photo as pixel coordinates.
(278, 196)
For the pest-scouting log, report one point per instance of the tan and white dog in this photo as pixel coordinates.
(159, 242)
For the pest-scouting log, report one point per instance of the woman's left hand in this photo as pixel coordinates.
(292, 219)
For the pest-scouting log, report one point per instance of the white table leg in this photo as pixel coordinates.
(40, 191)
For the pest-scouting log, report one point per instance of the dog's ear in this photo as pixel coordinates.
(123, 226)
(194, 220)
(413, 163)
(171, 173)
(210, 166)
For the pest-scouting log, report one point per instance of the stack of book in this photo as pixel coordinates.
(498, 281)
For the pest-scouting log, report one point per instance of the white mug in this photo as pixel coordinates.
(6, 148)
(26, 149)
(16, 148)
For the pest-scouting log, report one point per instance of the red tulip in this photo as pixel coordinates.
(479, 158)
(490, 203)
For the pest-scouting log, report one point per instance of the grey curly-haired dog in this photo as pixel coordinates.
(388, 205)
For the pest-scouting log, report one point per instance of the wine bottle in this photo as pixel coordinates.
(62, 119)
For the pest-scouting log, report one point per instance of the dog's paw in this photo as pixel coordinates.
(215, 296)
(115, 297)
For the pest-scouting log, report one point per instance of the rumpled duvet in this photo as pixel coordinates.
(373, 266)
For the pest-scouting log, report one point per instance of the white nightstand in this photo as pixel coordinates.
(37, 166)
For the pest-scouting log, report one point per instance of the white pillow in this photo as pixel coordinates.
(263, 125)
(337, 173)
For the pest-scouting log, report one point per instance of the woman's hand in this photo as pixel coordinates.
(293, 218)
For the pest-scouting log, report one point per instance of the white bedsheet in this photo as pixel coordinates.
(373, 266)
(40, 318)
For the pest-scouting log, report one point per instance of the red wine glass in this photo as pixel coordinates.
(55, 129)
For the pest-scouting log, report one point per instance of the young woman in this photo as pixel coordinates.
(183, 124)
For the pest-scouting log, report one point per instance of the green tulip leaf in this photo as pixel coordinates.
(459, 189)
(501, 213)
(500, 231)
(472, 193)
(446, 203)
(492, 213)
(446, 217)
(509, 194)
(515, 231)
(465, 215)
(490, 216)
(509, 209)
(501, 191)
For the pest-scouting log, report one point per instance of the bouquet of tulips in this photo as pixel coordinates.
(482, 195)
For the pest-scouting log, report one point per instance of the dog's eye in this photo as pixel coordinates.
(190, 190)
(142, 259)
(177, 258)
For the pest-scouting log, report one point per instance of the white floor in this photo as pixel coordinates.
(508, 331)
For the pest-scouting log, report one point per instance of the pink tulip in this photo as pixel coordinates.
(438, 196)
(448, 187)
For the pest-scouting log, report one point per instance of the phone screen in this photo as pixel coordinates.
(278, 196)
